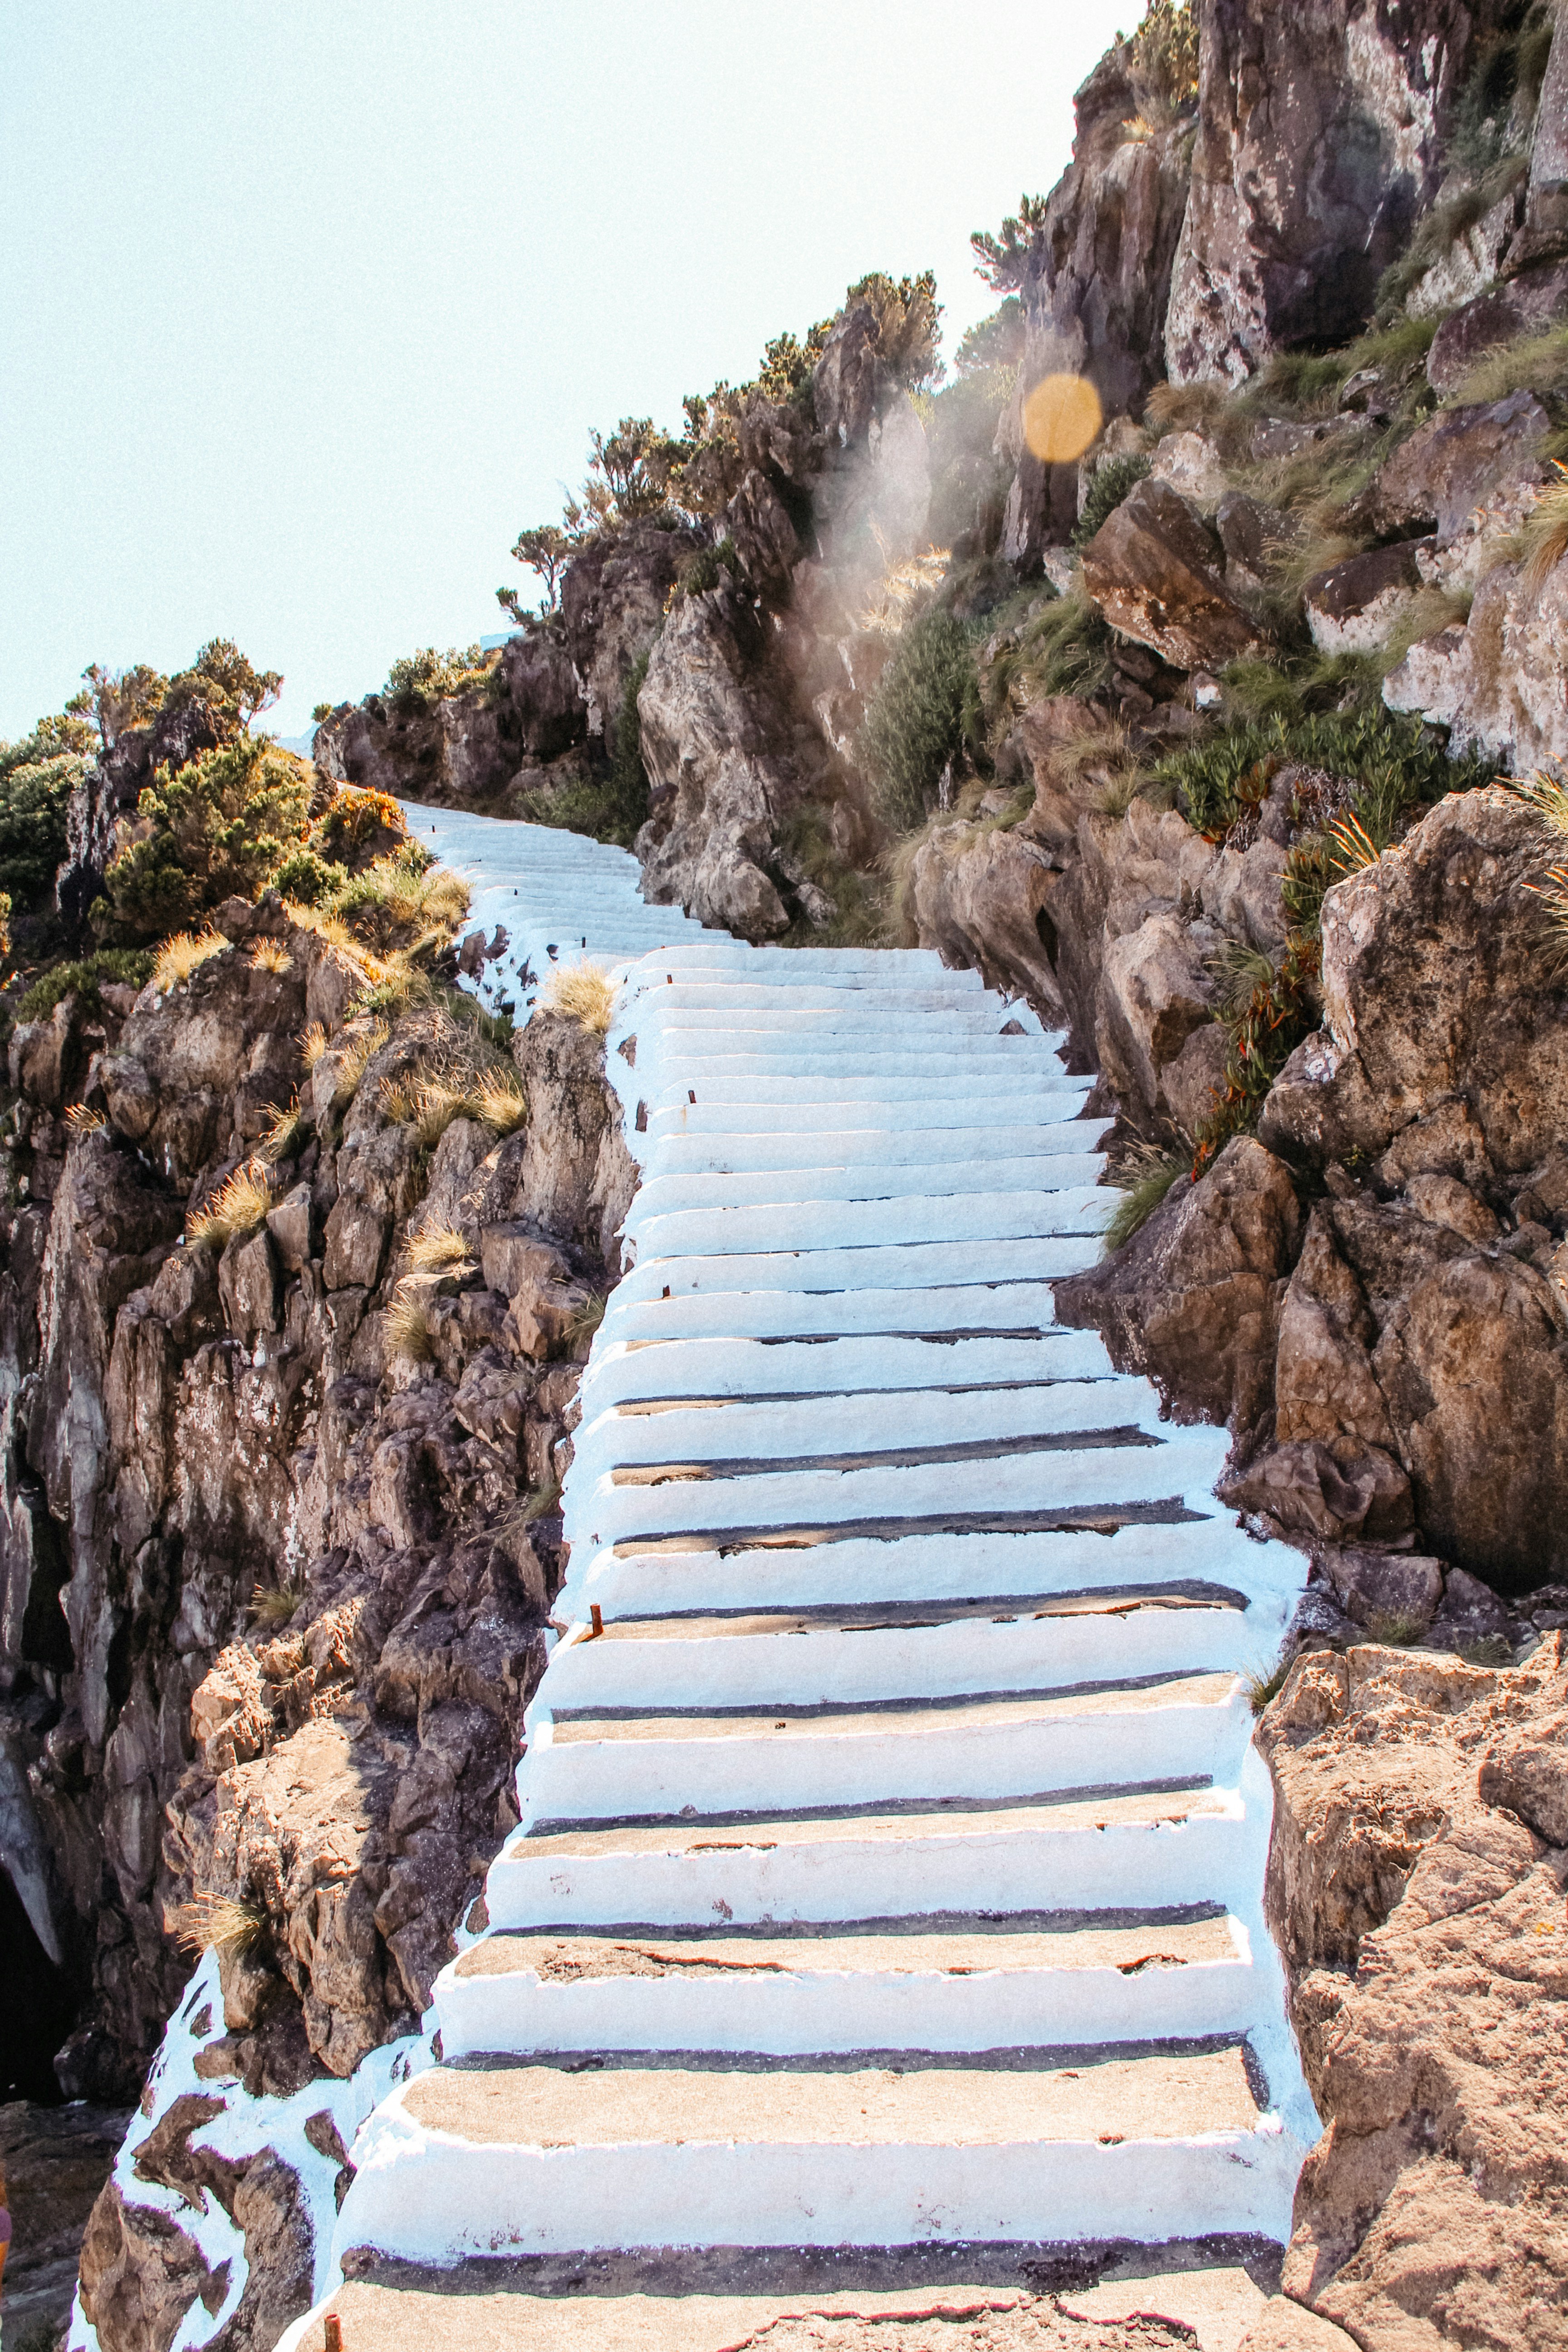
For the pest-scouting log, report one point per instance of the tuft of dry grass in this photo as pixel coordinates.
(313, 1044)
(217, 1922)
(357, 1053)
(270, 955)
(281, 1139)
(587, 1320)
(499, 1101)
(1265, 1683)
(584, 992)
(904, 590)
(437, 1249)
(1537, 363)
(1546, 793)
(1543, 541)
(407, 1325)
(426, 1103)
(83, 1119)
(179, 956)
(325, 924)
(275, 1605)
(237, 1208)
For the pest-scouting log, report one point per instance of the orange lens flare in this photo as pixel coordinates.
(1061, 417)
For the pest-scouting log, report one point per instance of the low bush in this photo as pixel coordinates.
(1398, 761)
(131, 967)
(427, 677)
(219, 827)
(923, 718)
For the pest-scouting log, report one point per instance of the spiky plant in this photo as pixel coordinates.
(407, 1325)
(1147, 1175)
(235, 1209)
(282, 1137)
(584, 992)
(1544, 537)
(83, 1119)
(358, 1052)
(178, 957)
(270, 955)
(438, 1248)
(313, 1044)
(500, 1102)
(225, 1924)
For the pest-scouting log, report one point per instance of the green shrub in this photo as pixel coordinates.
(925, 713)
(221, 827)
(419, 679)
(1396, 760)
(131, 967)
(1115, 479)
(33, 796)
(706, 569)
(306, 878)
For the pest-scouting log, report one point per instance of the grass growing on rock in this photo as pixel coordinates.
(280, 1140)
(1148, 1174)
(584, 990)
(439, 1248)
(923, 718)
(217, 1922)
(235, 1209)
(182, 954)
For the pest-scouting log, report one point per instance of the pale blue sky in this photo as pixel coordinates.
(308, 308)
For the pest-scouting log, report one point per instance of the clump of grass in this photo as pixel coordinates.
(282, 1138)
(587, 1318)
(274, 1605)
(539, 1501)
(235, 1209)
(1397, 1633)
(225, 1924)
(903, 591)
(584, 992)
(1114, 481)
(1148, 1175)
(499, 1100)
(131, 967)
(407, 1325)
(1543, 541)
(178, 957)
(270, 955)
(1224, 776)
(1063, 649)
(83, 1119)
(439, 1248)
(429, 1104)
(1351, 845)
(313, 1044)
(1537, 363)
(1240, 971)
(357, 1053)
(923, 718)
(1265, 1683)
(1547, 794)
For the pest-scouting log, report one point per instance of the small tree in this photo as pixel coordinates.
(117, 700)
(1002, 260)
(909, 326)
(545, 549)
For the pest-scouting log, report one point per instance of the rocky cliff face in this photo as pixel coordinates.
(304, 1536)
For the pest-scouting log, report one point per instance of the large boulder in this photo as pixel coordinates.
(1320, 140)
(1154, 569)
(1094, 288)
(1416, 1888)
(1523, 305)
(717, 747)
(1438, 985)
(1452, 464)
(1498, 683)
(1353, 607)
(1194, 1299)
(611, 608)
(978, 895)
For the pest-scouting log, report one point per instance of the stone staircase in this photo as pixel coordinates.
(556, 896)
(885, 1916)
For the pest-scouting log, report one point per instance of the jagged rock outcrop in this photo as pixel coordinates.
(719, 747)
(109, 792)
(1320, 143)
(467, 750)
(1412, 1379)
(188, 1426)
(613, 599)
(1417, 1877)
(1096, 285)
(1153, 571)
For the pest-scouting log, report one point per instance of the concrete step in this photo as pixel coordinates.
(666, 1370)
(949, 1984)
(551, 2158)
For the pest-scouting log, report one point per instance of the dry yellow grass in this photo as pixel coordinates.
(408, 1323)
(179, 956)
(326, 926)
(438, 1248)
(83, 1121)
(236, 1207)
(584, 992)
(1547, 795)
(276, 1604)
(905, 589)
(270, 955)
(215, 1923)
(499, 1101)
(426, 1103)
(358, 1052)
(281, 1139)
(1544, 537)
(313, 1044)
